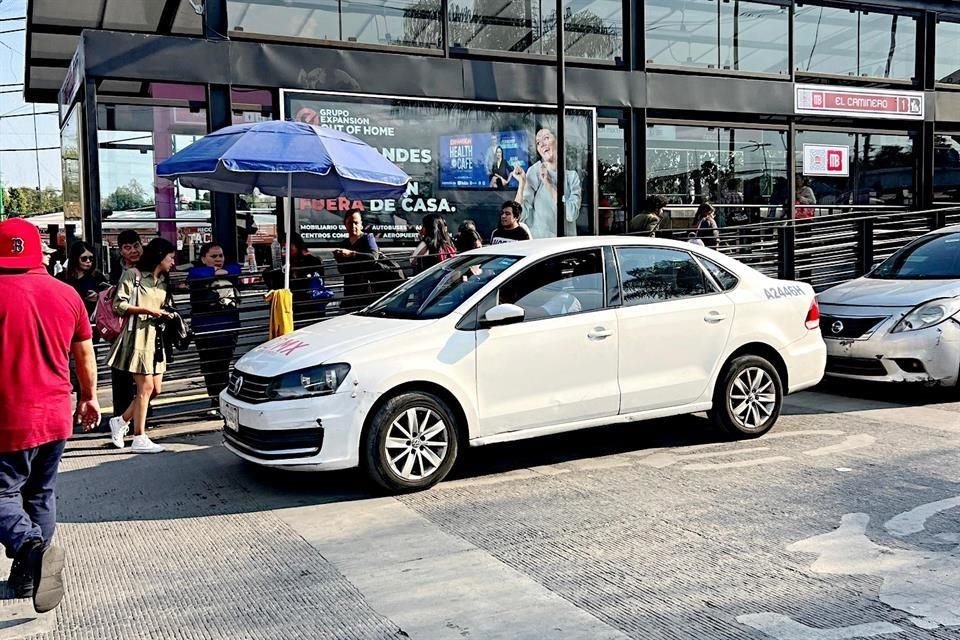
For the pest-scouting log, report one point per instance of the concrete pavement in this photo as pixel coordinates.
(844, 522)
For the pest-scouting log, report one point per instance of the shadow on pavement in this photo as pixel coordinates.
(906, 394)
(199, 478)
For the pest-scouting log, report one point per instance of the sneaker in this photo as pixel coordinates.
(20, 582)
(118, 429)
(47, 567)
(143, 444)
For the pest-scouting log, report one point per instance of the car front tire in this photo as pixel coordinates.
(748, 397)
(411, 443)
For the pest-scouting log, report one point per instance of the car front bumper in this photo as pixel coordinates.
(310, 434)
(929, 355)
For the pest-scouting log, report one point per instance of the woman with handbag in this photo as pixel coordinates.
(142, 299)
(215, 315)
(82, 274)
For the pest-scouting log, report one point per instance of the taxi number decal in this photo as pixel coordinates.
(284, 346)
(776, 293)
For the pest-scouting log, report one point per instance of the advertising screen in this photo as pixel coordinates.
(482, 160)
(464, 160)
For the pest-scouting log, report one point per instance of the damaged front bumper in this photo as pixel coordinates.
(929, 355)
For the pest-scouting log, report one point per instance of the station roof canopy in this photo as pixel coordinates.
(54, 28)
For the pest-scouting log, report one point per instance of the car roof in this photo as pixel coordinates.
(548, 246)
(951, 229)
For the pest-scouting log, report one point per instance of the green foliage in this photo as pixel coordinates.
(26, 201)
(128, 197)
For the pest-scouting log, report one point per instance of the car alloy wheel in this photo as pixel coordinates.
(748, 397)
(417, 443)
(411, 442)
(753, 398)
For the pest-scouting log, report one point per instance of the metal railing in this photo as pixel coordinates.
(824, 250)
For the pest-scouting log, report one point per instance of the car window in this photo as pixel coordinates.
(558, 286)
(724, 278)
(935, 257)
(441, 289)
(654, 275)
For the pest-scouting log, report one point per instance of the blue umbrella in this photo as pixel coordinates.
(284, 158)
(323, 163)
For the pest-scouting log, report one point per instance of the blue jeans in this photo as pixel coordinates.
(28, 506)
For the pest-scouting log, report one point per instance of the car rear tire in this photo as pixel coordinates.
(411, 443)
(748, 397)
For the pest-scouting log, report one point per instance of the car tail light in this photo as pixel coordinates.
(813, 316)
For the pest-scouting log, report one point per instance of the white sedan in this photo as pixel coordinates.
(900, 322)
(521, 340)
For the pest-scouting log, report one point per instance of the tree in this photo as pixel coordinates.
(127, 197)
(25, 201)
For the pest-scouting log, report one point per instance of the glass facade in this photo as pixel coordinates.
(881, 171)
(946, 169)
(737, 36)
(948, 52)
(133, 139)
(742, 172)
(405, 23)
(464, 161)
(71, 167)
(256, 212)
(592, 29)
(854, 43)
(612, 178)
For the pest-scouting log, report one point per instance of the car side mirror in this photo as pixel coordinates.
(502, 314)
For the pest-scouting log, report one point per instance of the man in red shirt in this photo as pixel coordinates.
(42, 322)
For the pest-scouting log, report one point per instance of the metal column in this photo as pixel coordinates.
(223, 213)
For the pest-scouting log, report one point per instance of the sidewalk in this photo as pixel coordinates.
(186, 544)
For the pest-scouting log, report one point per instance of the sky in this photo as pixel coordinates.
(19, 168)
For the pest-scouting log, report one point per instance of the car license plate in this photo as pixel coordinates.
(231, 416)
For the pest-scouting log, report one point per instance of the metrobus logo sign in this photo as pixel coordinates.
(824, 160)
(858, 103)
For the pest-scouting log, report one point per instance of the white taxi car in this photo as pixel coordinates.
(520, 340)
(900, 322)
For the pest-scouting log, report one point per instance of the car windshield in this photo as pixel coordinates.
(438, 291)
(935, 257)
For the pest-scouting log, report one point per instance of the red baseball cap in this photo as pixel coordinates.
(20, 246)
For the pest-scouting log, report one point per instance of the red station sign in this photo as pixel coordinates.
(863, 103)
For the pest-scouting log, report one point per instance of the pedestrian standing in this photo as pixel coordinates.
(357, 258)
(215, 315)
(468, 238)
(435, 246)
(704, 226)
(142, 301)
(509, 228)
(131, 249)
(42, 322)
(82, 274)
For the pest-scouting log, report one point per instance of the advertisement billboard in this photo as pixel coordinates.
(464, 160)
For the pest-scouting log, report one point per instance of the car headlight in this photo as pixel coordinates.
(928, 314)
(321, 380)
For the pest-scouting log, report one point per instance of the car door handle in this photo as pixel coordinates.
(599, 333)
(714, 317)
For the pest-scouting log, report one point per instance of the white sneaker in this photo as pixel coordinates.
(118, 429)
(143, 444)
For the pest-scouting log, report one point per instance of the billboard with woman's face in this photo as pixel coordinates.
(464, 160)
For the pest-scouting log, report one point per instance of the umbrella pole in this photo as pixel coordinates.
(288, 216)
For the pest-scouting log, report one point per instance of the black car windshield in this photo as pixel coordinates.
(438, 291)
(935, 257)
